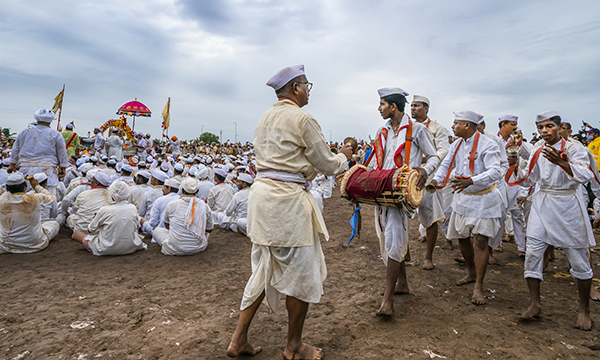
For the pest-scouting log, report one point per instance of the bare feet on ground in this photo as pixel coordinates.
(244, 349)
(594, 294)
(497, 249)
(466, 280)
(305, 352)
(533, 312)
(478, 298)
(584, 321)
(401, 289)
(422, 239)
(448, 245)
(386, 309)
(491, 260)
(428, 264)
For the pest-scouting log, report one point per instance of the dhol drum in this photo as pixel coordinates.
(395, 187)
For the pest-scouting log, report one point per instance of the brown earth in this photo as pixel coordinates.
(64, 303)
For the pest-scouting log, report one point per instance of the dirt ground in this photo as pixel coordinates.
(64, 303)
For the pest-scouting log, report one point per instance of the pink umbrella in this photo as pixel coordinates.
(134, 108)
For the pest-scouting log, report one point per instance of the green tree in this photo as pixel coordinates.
(208, 138)
(7, 135)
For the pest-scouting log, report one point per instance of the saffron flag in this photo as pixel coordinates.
(58, 99)
(166, 116)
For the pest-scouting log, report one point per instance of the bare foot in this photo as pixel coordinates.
(521, 254)
(401, 289)
(422, 239)
(497, 249)
(386, 310)
(491, 260)
(428, 264)
(594, 294)
(533, 312)
(305, 352)
(584, 321)
(246, 349)
(477, 298)
(460, 260)
(448, 245)
(466, 280)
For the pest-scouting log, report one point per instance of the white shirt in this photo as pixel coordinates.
(148, 200)
(115, 146)
(115, 227)
(135, 197)
(181, 241)
(72, 195)
(39, 146)
(487, 172)
(86, 206)
(159, 209)
(142, 154)
(204, 187)
(238, 206)
(219, 197)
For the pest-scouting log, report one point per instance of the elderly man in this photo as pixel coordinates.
(187, 221)
(435, 208)
(87, 204)
(115, 144)
(22, 229)
(39, 148)
(283, 218)
(400, 142)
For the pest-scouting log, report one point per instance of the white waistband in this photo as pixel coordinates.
(283, 176)
(563, 192)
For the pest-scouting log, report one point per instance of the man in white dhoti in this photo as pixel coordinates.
(283, 219)
(235, 216)
(22, 229)
(436, 207)
(400, 142)
(170, 191)
(115, 144)
(558, 217)
(39, 148)
(157, 182)
(87, 204)
(113, 230)
(477, 203)
(219, 195)
(187, 221)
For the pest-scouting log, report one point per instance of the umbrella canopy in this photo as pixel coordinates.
(134, 108)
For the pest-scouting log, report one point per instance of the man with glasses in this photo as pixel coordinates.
(284, 220)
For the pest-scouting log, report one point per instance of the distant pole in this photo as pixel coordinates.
(330, 137)
(221, 136)
(201, 130)
(234, 123)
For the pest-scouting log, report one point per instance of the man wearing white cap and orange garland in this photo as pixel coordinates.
(187, 220)
(435, 208)
(558, 216)
(23, 230)
(39, 148)
(477, 208)
(400, 142)
(283, 217)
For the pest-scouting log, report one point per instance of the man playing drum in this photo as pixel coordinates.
(477, 203)
(399, 142)
(435, 207)
(283, 217)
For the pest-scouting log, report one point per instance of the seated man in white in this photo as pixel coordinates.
(141, 187)
(49, 211)
(22, 229)
(89, 202)
(204, 185)
(170, 191)
(113, 231)
(220, 195)
(157, 182)
(187, 220)
(235, 217)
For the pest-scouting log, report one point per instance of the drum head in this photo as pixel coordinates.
(414, 197)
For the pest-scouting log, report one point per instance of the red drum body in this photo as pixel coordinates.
(396, 187)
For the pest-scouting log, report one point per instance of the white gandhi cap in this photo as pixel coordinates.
(284, 76)
(383, 92)
(468, 115)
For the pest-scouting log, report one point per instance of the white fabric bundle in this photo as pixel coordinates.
(119, 191)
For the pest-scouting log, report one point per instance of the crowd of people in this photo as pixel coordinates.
(489, 189)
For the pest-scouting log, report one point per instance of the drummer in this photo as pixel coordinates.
(399, 142)
(436, 206)
(477, 204)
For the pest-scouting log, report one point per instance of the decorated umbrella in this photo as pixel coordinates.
(134, 108)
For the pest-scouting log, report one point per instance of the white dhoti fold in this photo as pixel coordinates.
(435, 207)
(462, 227)
(391, 225)
(298, 272)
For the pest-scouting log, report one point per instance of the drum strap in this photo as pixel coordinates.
(379, 151)
(532, 163)
(471, 159)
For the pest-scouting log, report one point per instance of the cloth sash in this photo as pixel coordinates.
(471, 160)
(71, 140)
(482, 192)
(195, 217)
(283, 176)
(562, 192)
(532, 163)
(380, 143)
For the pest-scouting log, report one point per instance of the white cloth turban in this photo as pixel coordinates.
(119, 191)
(190, 185)
(44, 115)
(102, 178)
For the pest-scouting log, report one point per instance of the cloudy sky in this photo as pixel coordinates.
(213, 57)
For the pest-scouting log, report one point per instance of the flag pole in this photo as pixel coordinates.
(61, 103)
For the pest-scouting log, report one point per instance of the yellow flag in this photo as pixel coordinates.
(165, 114)
(58, 100)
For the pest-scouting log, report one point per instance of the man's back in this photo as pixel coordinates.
(39, 145)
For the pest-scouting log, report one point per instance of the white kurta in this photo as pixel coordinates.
(148, 200)
(156, 214)
(204, 187)
(22, 229)
(181, 241)
(219, 197)
(558, 217)
(85, 207)
(137, 192)
(114, 230)
(391, 223)
(115, 146)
